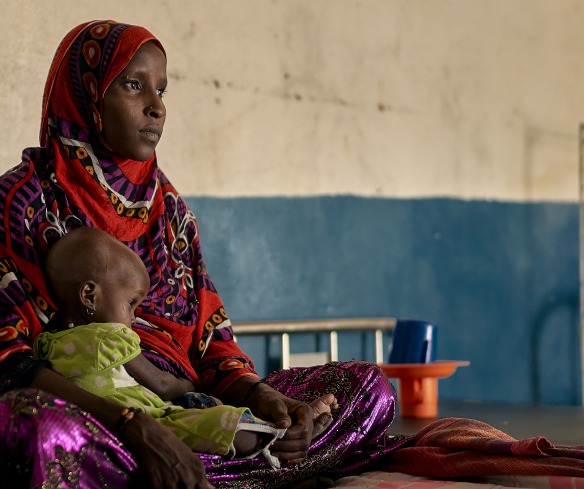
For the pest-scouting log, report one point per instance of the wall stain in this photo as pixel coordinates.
(285, 94)
(175, 76)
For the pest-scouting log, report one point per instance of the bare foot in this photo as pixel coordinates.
(324, 404)
(323, 407)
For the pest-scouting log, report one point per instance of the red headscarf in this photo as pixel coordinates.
(74, 180)
(89, 58)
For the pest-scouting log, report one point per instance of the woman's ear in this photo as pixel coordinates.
(88, 293)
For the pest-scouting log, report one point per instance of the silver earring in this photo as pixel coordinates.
(90, 312)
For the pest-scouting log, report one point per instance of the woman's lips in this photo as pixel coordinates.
(152, 133)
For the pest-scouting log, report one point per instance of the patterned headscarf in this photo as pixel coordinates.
(82, 71)
(73, 180)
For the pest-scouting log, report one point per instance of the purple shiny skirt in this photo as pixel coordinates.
(48, 443)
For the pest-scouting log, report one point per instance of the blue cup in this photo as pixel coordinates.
(413, 341)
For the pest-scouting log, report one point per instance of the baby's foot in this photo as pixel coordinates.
(324, 404)
(322, 409)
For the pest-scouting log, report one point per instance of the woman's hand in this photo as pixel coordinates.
(165, 462)
(285, 412)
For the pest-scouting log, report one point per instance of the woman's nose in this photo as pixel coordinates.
(156, 109)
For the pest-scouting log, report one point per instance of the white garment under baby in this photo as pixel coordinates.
(276, 434)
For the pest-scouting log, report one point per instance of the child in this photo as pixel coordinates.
(98, 283)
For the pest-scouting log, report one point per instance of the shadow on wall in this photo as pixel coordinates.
(555, 328)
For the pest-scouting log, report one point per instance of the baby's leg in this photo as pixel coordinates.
(248, 442)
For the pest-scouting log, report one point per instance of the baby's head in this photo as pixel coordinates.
(96, 278)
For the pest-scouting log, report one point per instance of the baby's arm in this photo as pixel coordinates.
(166, 385)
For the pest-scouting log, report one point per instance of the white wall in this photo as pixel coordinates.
(464, 98)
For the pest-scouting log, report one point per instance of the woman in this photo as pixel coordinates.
(96, 166)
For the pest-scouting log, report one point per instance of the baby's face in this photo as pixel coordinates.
(120, 295)
(118, 304)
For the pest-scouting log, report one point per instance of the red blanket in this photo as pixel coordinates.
(457, 447)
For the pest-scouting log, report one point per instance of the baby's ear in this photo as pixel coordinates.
(87, 293)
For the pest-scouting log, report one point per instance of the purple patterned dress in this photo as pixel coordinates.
(48, 443)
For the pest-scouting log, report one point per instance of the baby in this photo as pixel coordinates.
(98, 282)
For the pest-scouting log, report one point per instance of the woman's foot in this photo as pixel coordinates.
(323, 407)
(315, 483)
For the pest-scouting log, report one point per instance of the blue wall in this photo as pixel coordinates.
(500, 280)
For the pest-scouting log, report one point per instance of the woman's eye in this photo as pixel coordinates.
(161, 92)
(133, 85)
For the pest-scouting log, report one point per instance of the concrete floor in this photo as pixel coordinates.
(561, 425)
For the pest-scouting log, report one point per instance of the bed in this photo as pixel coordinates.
(559, 425)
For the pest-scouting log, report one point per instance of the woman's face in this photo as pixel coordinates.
(133, 111)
